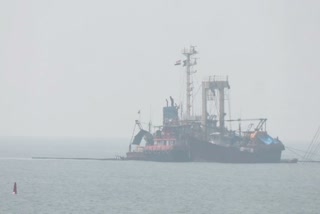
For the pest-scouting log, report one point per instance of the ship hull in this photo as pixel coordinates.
(203, 151)
(208, 152)
(174, 155)
(135, 156)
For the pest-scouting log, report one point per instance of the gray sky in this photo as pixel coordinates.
(84, 68)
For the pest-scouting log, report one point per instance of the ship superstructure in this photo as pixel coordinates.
(205, 137)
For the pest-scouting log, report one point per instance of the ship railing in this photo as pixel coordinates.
(216, 78)
(158, 148)
(164, 138)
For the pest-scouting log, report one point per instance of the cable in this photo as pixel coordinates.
(295, 153)
(311, 145)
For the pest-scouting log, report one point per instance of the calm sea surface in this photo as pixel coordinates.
(76, 186)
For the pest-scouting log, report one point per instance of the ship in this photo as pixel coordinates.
(185, 137)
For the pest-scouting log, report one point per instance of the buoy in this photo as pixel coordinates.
(15, 191)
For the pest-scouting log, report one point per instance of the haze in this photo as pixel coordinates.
(85, 68)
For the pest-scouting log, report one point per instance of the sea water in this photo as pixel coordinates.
(88, 186)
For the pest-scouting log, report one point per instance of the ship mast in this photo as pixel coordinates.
(214, 83)
(188, 64)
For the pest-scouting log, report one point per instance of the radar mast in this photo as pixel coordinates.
(189, 63)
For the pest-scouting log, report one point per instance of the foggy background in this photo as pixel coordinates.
(84, 68)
